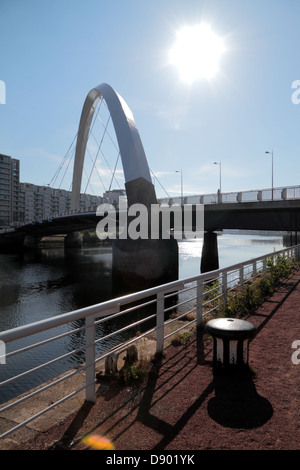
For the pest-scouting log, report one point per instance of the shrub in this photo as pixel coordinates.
(280, 268)
(212, 290)
(249, 297)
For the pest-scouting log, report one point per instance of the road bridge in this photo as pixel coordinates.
(268, 215)
(278, 215)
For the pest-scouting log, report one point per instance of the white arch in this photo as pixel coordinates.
(133, 157)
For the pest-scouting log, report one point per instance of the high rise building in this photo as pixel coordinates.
(10, 198)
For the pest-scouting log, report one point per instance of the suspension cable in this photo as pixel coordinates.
(97, 172)
(110, 137)
(65, 158)
(113, 175)
(99, 147)
(107, 163)
(160, 183)
(70, 159)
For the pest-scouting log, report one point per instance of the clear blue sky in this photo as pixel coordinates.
(54, 51)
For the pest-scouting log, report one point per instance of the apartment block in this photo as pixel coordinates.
(42, 202)
(10, 198)
(114, 195)
(26, 202)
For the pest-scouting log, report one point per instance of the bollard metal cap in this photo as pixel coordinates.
(232, 328)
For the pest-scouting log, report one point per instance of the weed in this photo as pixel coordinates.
(135, 372)
(181, 338)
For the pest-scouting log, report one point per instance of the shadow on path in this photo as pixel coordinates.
(168, 431)
(74, 427)
(237, 404)
(289, 288)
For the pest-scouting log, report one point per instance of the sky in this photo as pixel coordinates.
(53, 52)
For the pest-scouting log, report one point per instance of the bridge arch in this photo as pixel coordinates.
(138, 183)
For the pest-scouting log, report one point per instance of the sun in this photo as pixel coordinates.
(197, 52)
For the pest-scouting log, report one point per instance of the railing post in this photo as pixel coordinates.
(160, 307)
(241, 276)
(254, 270)
(265, 267)
(90, 373)
(297, 252)
(224, 287)
(199, 305)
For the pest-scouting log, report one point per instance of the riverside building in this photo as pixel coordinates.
(9, 191)
(26, 202)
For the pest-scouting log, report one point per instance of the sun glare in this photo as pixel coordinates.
(196, 52)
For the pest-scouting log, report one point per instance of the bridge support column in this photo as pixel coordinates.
(30, 242)
(73, 240)
(210, 255)
(141, 264)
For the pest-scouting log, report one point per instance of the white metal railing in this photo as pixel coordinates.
(195, 295)
(253, 195)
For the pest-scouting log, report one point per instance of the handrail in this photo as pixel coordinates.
(108, 307)
(191, 298)
(249, 195)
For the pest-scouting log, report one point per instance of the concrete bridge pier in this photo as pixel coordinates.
(141, 264)
(30, 242)
(73, 240)
(210, 254)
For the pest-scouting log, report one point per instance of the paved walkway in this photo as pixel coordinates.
(182, 406)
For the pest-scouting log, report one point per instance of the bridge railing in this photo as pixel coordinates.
(161, 312)
(253, 195)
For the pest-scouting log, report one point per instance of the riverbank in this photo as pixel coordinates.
(182, 406)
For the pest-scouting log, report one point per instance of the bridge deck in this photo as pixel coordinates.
(281, 215)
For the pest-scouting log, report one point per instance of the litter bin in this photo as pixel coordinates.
(230, 342)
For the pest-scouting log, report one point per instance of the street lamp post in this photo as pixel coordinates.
(220, 188)
(180, 171)
(272, 173)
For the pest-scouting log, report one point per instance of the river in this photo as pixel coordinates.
(49, 282)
